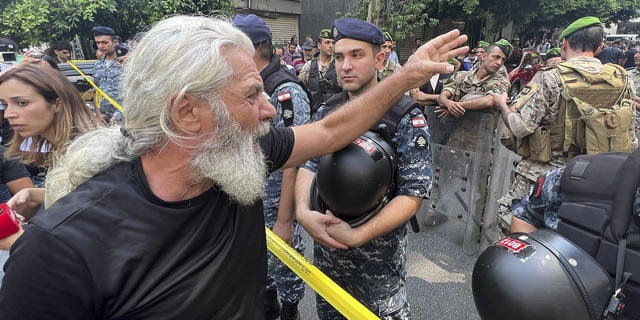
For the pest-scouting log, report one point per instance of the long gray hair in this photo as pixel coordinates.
(179, 55)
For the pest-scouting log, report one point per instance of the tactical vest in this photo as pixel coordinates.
(594, 116)
(275, 75)
(322, 88)
(391, 118)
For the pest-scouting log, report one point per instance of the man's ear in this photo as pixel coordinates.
(599, 47)
(379, 60)
(186, 113)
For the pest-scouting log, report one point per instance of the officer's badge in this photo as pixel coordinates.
(284, 96)
(287, 114)
(526, 90)
(421, 142)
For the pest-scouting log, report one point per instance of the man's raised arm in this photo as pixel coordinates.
(350, 121)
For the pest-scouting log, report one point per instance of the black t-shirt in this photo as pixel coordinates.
(11, 169)
(111, 249)
(630, 63)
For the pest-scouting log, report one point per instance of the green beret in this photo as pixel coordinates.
(325, 34)
(505, 46)
(483, 44)
(387, 37)
(552, 53)
(579, 24)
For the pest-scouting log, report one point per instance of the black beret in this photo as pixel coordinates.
(358, 30)
(253, 26)
(103, 31)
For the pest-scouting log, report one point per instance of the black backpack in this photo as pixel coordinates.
(597, 215)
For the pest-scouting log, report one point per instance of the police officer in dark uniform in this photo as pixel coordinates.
(319, 74)
(290, 97)
(369, 260)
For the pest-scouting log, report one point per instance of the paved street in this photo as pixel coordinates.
(438, 283)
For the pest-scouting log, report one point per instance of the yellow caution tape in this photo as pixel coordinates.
(98, 91)
(329, 290)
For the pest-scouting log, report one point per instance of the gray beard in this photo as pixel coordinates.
(229, 159)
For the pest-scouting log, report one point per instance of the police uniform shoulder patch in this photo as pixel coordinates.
(284, 96)
(417, 121)
(421, 142)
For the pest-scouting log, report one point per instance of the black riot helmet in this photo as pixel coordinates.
(356, 181)
(538, 276)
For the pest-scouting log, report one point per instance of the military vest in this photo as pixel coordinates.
(595, 113)
(322, 88)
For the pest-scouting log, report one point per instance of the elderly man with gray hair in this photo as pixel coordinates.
(162, 218)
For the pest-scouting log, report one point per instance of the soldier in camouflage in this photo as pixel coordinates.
(292, 109)
(319, 74)
(539, 104)
(486, 78)
(390, 66)
(107, 72)
(634, 75)
(369, 261)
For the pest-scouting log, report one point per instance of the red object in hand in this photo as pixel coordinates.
(8, 221)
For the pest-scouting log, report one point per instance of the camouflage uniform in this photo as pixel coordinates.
(388, 69)
(304, 73)
(465, 83)
(542, 211)
(468, 83)
(539, 103)
(634, 75)
(290, 286)
(108, 77)
(374, 273)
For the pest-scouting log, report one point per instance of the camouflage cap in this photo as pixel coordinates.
(325, 34)
(483, 44)
(505, 47)
(552, 53)
(387, 36)
(578, 25)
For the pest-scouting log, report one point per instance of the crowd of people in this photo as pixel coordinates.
(158, 209)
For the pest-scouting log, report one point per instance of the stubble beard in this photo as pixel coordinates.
(229, 159)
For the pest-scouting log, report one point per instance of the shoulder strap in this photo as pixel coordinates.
(313, 68)
(395, 114)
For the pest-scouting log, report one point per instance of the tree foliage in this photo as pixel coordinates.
(37, 21)
(399, 17)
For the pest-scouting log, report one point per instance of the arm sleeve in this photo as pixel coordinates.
(533, 104)
(45, 279)
(277, 146)
(13, 170)
(298, 97)
(414, 171)
(452, 83)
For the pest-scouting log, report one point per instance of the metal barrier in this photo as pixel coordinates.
(502, 169)
(461, 150)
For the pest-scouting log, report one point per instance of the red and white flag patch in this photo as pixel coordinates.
(418, 122)
(284, 96)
